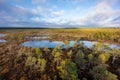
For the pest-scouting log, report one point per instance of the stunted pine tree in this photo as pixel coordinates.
(69, 54)
(38, 53)
(115, 54)
(103, 58)
(57, 53)
(68, 70)
(93, 60)
(99, 48)
(31, 62)
(36, 64)
(41, 64)
(100, 73)
(79, 59)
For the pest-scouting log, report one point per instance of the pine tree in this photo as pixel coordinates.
(68, 70)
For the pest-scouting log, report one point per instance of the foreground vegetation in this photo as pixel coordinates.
(79, 62)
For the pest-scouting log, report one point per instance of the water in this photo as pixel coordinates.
(2, 35)
(38, 37)
(53, 44)
(43, 43)
(2, 40)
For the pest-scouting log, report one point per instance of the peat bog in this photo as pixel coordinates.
(60, 54)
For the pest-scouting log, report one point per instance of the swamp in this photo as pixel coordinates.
(60, 54)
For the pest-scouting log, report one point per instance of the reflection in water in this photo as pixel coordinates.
(42, 43)
(53, 44)
(38, 37)
(2, 40)
(2, 35)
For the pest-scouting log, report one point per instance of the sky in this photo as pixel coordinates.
(60, 13)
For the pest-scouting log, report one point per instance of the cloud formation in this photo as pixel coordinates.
(101, 15)
(46, 13)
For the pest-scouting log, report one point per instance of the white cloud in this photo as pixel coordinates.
(52, 12)
(99, 15)
(57, 21)
(38, 1)
(36, 19)
(47, 15)
(37, 10)
(57, 13)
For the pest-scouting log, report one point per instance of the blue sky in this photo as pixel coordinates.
(59, 13)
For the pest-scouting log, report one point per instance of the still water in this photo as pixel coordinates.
(53, 44)
(2, 40)
(38, 37)
(2, 35)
